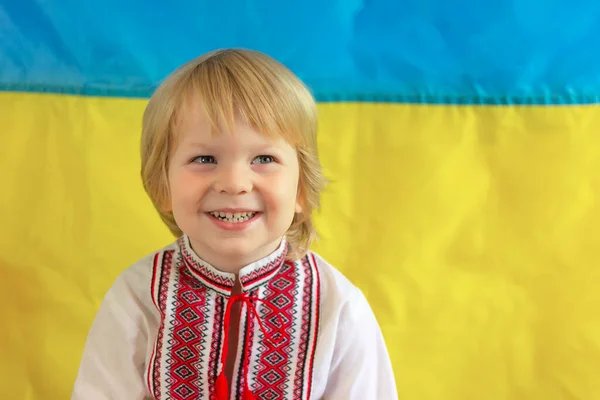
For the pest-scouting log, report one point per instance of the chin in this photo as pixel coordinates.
(236, 247)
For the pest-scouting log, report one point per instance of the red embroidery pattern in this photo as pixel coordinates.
(190, 338)
(276, 359)
(164, 272)
(255, 277)
(215, 344)
(212, 278)
(188, 342)
(309, 325)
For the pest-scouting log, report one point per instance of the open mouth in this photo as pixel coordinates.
(233, 218)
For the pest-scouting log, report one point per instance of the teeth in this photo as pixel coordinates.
(233, 218)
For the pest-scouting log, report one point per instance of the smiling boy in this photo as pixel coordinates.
(238, 307)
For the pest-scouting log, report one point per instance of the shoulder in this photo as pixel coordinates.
(351, 359)
(333, 281)
(148, 262)
(338, 294)
(137, 280)
(347, 324)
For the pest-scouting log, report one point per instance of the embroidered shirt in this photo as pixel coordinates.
(305, 333)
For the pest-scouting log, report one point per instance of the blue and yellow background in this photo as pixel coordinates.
(462, 139)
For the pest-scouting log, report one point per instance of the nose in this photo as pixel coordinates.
(233, 179)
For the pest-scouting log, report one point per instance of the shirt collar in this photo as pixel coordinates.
(251, 276)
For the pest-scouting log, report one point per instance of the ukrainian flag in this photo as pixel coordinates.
(462, 139)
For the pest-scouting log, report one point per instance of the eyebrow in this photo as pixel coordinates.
(197, 144)
(200, 145)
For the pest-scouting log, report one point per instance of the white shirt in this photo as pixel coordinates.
(159, 333)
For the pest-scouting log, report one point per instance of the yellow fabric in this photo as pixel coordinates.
(474, 232)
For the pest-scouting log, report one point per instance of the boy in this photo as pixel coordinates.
(237, 307)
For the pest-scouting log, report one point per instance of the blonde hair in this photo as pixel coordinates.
(232, 84)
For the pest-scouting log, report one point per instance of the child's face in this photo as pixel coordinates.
(234, 194)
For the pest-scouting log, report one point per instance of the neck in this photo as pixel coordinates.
(235, 263)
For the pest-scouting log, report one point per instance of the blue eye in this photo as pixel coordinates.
(263, 160)
(205, 160)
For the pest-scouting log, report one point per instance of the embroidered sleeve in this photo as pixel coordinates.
(361, 367)
(113, 361)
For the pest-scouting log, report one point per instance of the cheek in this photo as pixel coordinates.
(282, 195)
(186, 188)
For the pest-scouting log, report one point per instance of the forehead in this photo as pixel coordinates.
(193, 119)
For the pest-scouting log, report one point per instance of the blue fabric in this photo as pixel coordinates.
(430, 51)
